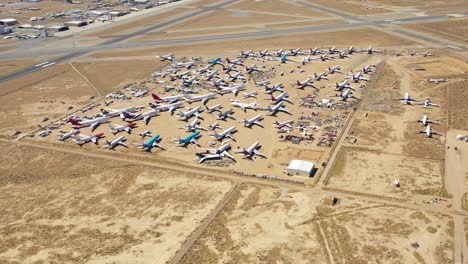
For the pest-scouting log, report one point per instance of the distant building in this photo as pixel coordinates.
(5, 30)
(8, 22)
(330, 200)
(57, 28)
(300, 168)
(76, 23)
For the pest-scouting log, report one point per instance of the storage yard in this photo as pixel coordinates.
(221, 131)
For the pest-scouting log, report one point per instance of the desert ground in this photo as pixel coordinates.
(62, 203)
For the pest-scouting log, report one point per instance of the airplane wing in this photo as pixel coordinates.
(258, 153)
(437, 133)
(93, 139)
(122, 144)
(225, 153)
(155, 144)
(258, 124)
(284, 110)
(146, 119)
(194, 141)
(94, 126)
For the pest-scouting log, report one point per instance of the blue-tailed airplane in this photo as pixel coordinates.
(192, 138)
(214, 61)
(151, 143)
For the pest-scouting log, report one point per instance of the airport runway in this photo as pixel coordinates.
(356, 21)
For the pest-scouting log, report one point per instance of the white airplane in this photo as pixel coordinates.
(168, 57)
(218, 83)
(305, 83)
(187, 65)
(192, 112)
(115, 112)
(351, 50)
(246, 54)
(214, 108)
(278, 108)
(295, 52)
(264, 53)
(262, 83)
(251, 69)
(180, 75)
(315, 51)
(191, 81)
(320, 76)
(221, 150)
(283, 124)
(371, 50)
(226, 114)
(333, 50)
(228, 69)
(408, 99)
(83, 139)
(276, 87)
(358, 77)
(205, 69)
(281, 97)
(211, 75)
(203, 98)
(253, 121)
(343, 55)
(306, 59)
(169, 99)
(367, 69)
(193, 126)
(280, 53)
(429, 132)
(146, 116)
(213, 126)
(428, 104)
(92, 123)
(64, 136)
(332, 70)
(251, 94)
(325, 57)
(251, 151)
(427, 53)
(225, 134)
(238, 61)
(116, 142)
(237, 75)
(344, 84)
(145, 133)
(119, 128)
(168, 107)
(346, 95)
(426, 121)
(244, 106)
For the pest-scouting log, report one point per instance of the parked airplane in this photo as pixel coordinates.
(119, 128)
(217, 153)
(238, 61)
(226, 114)
(64, 136)
(276, 87)
(351, 50)
(316, 51)
(252, 151)
(429, 132)
(92, 123)
(251, 69)
(346, 95)
(264, 53)
(426, 121)
(343, 55)
(145, 133)
(211, 75)
(215, 61)
(325, 57)
(192, 112)
(152, 143)
(295, 52)
(203, 98)
(371, 50)
(168, 107)
(193, 126)
(332, 70)
(213, 126)
(83, 139)
(146, 116)
(244, 106)
(281, 97)
(367, 69)
(116, 112)
(191, 81)
(427, 53)
(251, 94)
(225, 134)
(187, 65)
(214, 108)
(232, 67)
(262, 83)
(168, 57)
(305, 83)
(205, 69)
(344, 84)
(253, 121)
(408, 99)
(237, 75)
(320, 76)
(218, 83)
(190, 139)
(283, 124)
(169, 99)
(234, 89)
(333, 50)
(246, 54)
(278, 108)
(428, 104)
(116, 142)
(358, 77)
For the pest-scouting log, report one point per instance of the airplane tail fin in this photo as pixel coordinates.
(74, 122)
(273, 98)
(156, 97)
(100, 135)
(104, 111)
(228, 60)
(298, 83)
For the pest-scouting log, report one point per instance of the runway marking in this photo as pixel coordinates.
(454, 47)
(40, 64)
(49, 64)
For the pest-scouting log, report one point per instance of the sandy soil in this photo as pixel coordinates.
(419, 4)
(8, 66)
(260, 223)
(453, 29)
(353, 7)
(87, 210)
(277, 6)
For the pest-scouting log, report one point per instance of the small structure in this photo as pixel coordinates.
(330, 200)
(58, 28)
(8, 21)
(300, 168)
(76, 23)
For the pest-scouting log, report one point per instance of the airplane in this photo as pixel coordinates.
(306, 59)
(358, 77)
(168, 57)
(115, 112)
(251, 151)
(333, 50)
(408, 99)
(170, 99)
(343, 55)
(190, 139)
(238, 61)
(264, 53)
(218, 83)
(280, 53)
(192, 112)
(234, 89)
(145, 133)
(320, 76)
(116, 142)
(284, 58)
(92, 123)
(277, 108)
(224, 147)
(281, 97)
(151, 143)
(146, 116)
(295, 52)
(244, 106)
(325, 57)
(251, 69)
(214, 61)
(315, 51)
(426, 121)
(427, 53)
(191, 81)
(251, 94)
(262, 83)
(276, 87)
(231, 67)
(205, 69)
(346, 94)
(180, 75)
(168, 107)
(225, 134)
(187, 65)
(237, 75)
(253, 121)
(307, 82)
(213, 126)
(332, 70)
(83, 139)
(283, 124)
(246, 54)
(367, 69)
(429, 132)
(214, 108)
(119, 128)
(428, 104)
(370, 50)
(203, 98)
(64, 136)
(211, 75)
(344, 84)
(351, 50)
(193, 126)
(226, 114)
(215, 153)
